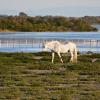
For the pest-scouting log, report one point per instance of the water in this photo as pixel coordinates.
(51, 35)
(97, 26)
(32, 41)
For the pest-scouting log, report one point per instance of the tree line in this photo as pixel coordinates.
(24, 23)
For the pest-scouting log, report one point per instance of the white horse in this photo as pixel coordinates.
(57, 47)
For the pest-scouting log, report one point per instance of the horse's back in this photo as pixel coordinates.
(71, 43)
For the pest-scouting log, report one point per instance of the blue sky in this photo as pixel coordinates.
(51, 7)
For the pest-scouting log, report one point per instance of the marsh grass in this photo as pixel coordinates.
(32, 76)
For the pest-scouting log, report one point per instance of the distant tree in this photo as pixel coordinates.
(23, 22)
(22, 14)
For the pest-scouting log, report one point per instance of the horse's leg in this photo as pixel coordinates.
(71, 52)
(53, 54)
(60, 57)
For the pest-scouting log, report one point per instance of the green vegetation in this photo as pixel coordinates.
(32, 76)
(92, 19)
(24, 23)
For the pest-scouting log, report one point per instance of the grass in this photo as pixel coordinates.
(32, 76)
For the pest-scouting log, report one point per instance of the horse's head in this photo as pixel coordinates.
(45, 46)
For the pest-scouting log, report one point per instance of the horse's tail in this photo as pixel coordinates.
(75, 54)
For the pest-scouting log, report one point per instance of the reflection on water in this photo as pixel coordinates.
(32, 41)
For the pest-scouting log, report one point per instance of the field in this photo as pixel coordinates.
(32, 76)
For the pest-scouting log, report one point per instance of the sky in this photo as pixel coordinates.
(51, 7)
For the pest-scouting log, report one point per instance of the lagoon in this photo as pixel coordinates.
(32, 41)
